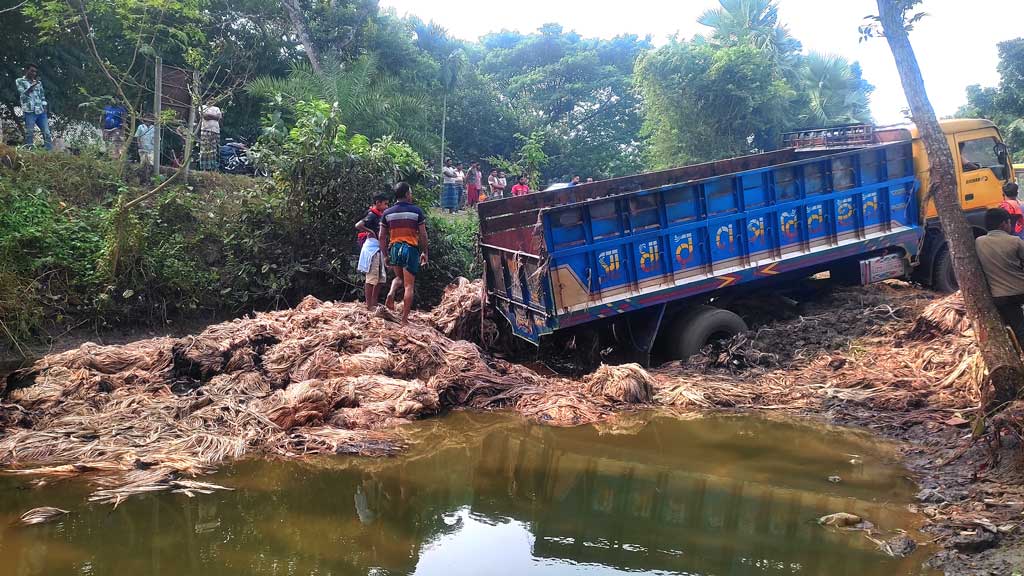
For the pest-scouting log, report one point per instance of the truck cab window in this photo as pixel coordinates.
(979, 154)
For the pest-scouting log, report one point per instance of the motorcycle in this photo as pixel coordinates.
(235, 159)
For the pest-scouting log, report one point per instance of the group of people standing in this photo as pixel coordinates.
(462, 188)
(112, 123)
(112, 127)
(465, 188)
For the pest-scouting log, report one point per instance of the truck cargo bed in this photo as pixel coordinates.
(576, 255)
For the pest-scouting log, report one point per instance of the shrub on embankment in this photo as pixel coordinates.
(71, 255)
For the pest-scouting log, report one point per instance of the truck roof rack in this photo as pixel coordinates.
(837, 137)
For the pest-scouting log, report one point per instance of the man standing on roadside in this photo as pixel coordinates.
(473, 181)
(34, 106)
(1002, 260)
(521, 189)
(460, 183)
(494, 191)
(209, 139)
(403, 232)
(144, 136)
(450, 191)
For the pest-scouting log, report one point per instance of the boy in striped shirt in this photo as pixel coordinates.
(403, 230)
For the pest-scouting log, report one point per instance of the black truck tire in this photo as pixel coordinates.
(943, 278)
(696, 328)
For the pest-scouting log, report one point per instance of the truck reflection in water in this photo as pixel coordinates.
(490, 494)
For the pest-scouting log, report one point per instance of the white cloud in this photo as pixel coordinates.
(955, 44)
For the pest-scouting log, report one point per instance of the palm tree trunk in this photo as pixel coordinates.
(444, 120)
(1000, 355)
(299, 24)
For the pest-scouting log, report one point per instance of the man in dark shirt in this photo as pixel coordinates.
(1002, 259)
(403, 237)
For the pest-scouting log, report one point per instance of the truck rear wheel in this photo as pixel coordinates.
(693, 330)
(943, 278)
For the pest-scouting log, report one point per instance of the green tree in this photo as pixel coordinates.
(1003, 104)
(752, 23)
(833, 91)
(370, 102)
(481, 122)
(578, 90)
(703, 102)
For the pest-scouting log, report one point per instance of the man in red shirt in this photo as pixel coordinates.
(1013, 208)
(521, 189)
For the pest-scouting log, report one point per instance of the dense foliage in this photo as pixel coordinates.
(706, 103)
(734, 91)
(1003, 104)
(602, 107)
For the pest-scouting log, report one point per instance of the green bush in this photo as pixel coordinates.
(48, 252)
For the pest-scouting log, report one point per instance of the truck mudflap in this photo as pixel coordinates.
(518, 289)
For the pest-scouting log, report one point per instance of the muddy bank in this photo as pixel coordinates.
(334, 378)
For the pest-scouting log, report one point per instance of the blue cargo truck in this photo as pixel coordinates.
(647, 257)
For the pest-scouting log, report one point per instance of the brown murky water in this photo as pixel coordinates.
(492, 494)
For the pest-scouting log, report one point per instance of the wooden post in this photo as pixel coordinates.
(158, 93)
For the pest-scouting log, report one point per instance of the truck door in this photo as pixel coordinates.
(981, 170)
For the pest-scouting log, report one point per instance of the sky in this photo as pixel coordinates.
(955, 44)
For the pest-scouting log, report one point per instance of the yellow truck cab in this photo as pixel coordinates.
(982, 168)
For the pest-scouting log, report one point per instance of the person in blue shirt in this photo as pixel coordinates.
(34, 106)
(112, 123)
(144, 135)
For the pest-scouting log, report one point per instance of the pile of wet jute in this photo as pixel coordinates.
(335, 378)
(324, 377)
(891, 352)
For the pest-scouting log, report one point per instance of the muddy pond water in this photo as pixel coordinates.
(493, 494)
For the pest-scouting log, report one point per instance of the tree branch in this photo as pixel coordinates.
(299, 23)
(15, 7)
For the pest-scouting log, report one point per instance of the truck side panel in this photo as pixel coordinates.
(609, 255)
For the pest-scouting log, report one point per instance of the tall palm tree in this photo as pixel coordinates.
(451, 69)
(835, 92)
(371, 103)
(754, 23)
